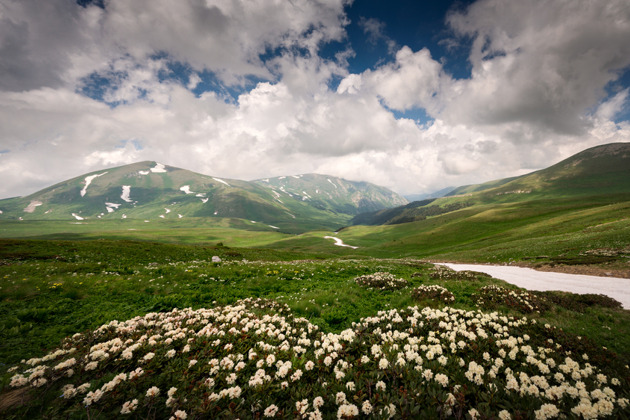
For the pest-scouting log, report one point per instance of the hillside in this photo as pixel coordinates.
(601, 170)
(154, 192)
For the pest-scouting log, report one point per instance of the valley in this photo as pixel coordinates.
(342, 290)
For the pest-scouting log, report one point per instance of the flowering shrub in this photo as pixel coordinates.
(441, 272)
(254, 359)
(525, 302)
(432, 292)
(382, 281)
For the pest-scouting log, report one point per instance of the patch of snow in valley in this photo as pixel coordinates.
(273, 227)
(162, 216)
(126, 190)
(88, 181)
(615, 287)
(124, 216)
(159, 168)
(179, 216)
(204, 200)
(201, 195)
(167, 210)
(334, 185)
(221, 181)
(144, 172)
(32, 206)
(186, 189)
(46, 212)
(0, 211)
(76, 216)
(253, 221)
(281, 177)
(339, 242)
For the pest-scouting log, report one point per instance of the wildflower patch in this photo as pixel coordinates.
(382, 281)
(254, 359)
(490, 297)
(433, 292)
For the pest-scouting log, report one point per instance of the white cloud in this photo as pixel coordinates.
(536, 94)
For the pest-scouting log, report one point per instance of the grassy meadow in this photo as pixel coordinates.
(333, 323)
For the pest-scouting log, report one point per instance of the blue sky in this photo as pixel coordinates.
(411, 95)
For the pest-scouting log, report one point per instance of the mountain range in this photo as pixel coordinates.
(153, 191)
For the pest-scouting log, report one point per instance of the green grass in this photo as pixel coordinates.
(50, 289)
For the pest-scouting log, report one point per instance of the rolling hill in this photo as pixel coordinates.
(152, 191)
(598, 171)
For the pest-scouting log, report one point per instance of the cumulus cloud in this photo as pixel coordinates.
(543, 63)
(537, 92)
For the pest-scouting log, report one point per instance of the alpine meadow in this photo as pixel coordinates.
(314, 209)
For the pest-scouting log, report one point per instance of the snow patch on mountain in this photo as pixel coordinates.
(221, 181)
(126, 190)
(32, 206)
(186, 189)
(88, 181)
(159, 168)
(111, 207)
(76, 216)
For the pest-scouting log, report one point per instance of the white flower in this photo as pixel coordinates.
(381, 385)
(129, 407)
(347, 411)
(383, 363)
(442, 379)
(154, 391)
(180, 415)
(340, 398)
(271, 411)
(547, 411)
(366, 408)
(505, 415)
(318, 402)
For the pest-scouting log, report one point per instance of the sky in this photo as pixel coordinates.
(408, 94)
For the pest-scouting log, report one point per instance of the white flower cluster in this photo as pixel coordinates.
(433, 291)
(381, 281)
(255, 360)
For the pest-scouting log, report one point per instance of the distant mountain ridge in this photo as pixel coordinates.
(153, 191)
(599, 170)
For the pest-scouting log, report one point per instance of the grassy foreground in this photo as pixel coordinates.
(285, 334)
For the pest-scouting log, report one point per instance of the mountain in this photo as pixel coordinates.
(153, 191)
(333, 194)
(600, 170)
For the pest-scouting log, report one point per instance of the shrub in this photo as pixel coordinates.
(382, 281)
(434, 292)
(491, 297)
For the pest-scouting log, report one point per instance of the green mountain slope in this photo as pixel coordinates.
(154, 192)
(601, 170)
